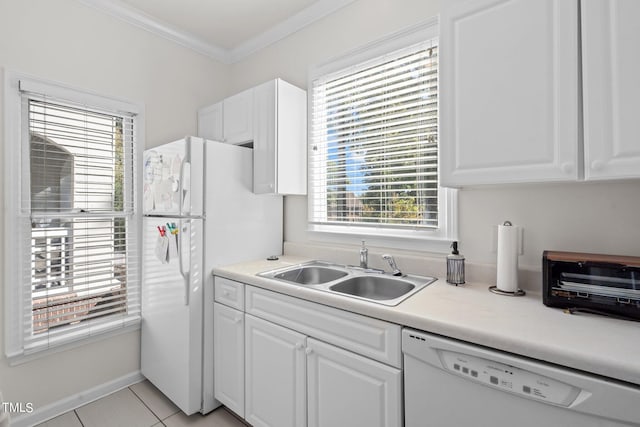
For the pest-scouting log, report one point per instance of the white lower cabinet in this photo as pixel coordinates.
(345, 389)
(275, 375)
(293, 380)
(278, 373)
(228, 353)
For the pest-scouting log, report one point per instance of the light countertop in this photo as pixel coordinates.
(520, 325)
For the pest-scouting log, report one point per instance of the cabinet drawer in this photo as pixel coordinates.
(229, 293)
(364, 335)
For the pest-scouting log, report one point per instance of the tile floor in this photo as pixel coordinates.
(141, 405)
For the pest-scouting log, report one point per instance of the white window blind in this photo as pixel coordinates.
(80, 257)
(374, 142)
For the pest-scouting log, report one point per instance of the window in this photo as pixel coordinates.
(76, 253)
(373, 162)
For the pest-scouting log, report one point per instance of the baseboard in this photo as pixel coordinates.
(52, 410)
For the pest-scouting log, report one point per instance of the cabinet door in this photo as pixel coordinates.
(291, 159)
(238, 118)
(280, 139)
(210, 122)
(275, 376)
(509, 91)
(265, 140)
(350, 390)
(228, 360)
(611, 66)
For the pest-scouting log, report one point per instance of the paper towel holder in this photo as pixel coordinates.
(517, 293)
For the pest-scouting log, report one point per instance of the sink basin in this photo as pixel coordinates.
(351, 282)
(311, 275)
(308, 274)
(374, 287)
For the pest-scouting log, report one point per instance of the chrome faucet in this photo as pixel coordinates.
(392, 264)
(364, 257)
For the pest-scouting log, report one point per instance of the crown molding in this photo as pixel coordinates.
(416, 33)
(142, 20)
(305, 17)
(136, 17)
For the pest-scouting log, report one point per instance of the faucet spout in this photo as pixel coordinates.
(364, 256)
(392, 263)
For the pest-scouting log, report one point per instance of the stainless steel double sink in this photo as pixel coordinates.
(355, 282)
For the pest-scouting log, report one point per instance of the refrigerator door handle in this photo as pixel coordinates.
(185, 182)
(185, 196)
(185, 230)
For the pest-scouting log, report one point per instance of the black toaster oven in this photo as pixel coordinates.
(604, 284)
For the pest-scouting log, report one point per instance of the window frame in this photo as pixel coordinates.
(16, 130)
(435, 240)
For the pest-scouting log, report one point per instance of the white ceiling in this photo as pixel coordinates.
(225, 23)
(227, 30)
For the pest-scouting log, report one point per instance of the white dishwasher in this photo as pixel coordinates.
(450, 383)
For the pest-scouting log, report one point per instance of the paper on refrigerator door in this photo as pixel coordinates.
(173, 246)
(147, 198)
(162, 249)
(162, 182)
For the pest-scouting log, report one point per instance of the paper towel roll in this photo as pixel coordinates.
(507, 264)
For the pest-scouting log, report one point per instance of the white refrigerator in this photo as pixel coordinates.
(199, 213)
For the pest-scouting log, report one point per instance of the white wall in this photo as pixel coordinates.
(65, 41)
(587, 217)
(355, 25)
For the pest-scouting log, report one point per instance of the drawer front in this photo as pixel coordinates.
(229, 293)
(364, 335)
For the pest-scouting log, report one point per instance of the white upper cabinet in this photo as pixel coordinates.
(511, 97)
(238, 117)
(509, 91)
(230, 120)
(210, 122)
(280, 139)
(611, 68)
(273, 118)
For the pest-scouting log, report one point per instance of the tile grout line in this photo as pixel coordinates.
(236, 416)
(146, 406)
(78, 417)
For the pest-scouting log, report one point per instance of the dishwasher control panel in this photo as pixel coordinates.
(509, 378)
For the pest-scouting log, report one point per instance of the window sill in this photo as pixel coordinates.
(412, 240)
(16, 359)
